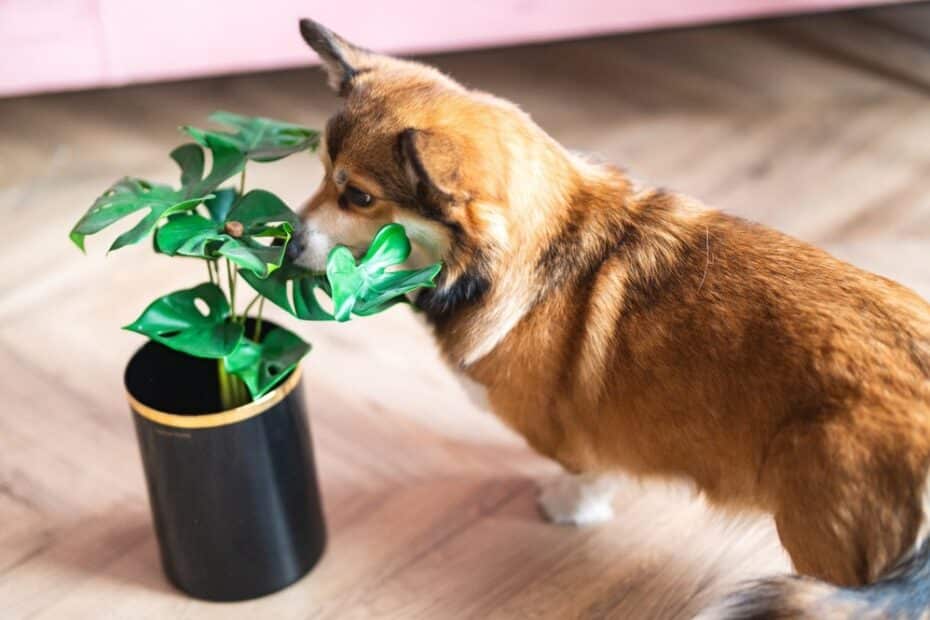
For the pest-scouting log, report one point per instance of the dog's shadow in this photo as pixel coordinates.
(478, 547)
(471, 546)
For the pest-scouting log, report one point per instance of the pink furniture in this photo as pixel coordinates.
(50, 45)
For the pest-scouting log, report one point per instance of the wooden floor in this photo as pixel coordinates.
(818, 126)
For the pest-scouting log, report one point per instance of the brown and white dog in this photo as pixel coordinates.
(625, 329)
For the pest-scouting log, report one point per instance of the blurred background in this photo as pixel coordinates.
(68, 44)
(812, 116)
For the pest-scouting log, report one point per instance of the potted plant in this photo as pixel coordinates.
(215, 393)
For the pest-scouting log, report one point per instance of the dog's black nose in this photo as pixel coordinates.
(295, 248)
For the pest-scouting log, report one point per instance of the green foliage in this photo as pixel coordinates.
(368, 287)
(293, 289)
(257, 215)
(129, 195)
(124, 198)
(362, 288)
(249, 232)
(227, 160)
(256, 138)
(218, 207)
(175, 321)
(261, 366)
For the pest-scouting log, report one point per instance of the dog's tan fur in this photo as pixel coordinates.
(622, 328)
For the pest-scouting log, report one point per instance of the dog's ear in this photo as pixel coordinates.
(341, 60)
(431, 161)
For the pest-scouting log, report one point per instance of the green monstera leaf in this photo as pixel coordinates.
(258, 211)
(227, 161)
(251, 138)
(390, 288)
(125, 198)
(181, 228)
(363, 288)
(130, 195)
(175, 321)
(294, 290)
(223, 200)
(190, 159)
(258, 214)
(367, 287)
(257, 138)
(261, 366)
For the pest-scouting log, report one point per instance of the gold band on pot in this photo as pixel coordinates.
(210, 420)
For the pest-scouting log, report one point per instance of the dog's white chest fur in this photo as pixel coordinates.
(477, 393)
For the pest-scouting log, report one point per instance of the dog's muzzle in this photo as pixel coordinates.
(295, 246)
(309, 248)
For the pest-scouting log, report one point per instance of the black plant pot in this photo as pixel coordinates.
(234, 495)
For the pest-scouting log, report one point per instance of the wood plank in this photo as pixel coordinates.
(818, 126)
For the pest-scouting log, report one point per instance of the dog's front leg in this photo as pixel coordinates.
(582, 499)
(570, 499)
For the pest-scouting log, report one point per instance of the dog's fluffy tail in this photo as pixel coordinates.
(904, 594)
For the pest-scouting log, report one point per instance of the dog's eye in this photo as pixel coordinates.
(357, 196)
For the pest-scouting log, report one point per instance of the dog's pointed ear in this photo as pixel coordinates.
(431, 161)
(341, 59)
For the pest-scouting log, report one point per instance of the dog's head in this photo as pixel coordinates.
(465, 173)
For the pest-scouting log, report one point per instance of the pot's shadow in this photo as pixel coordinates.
(142, 566)
(115, 546)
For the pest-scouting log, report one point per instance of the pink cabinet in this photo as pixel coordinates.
(65, 44)
(50, 45)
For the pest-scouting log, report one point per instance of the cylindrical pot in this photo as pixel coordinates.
(234, 494)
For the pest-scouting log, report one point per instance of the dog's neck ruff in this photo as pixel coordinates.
(473, 314)
(443, 303)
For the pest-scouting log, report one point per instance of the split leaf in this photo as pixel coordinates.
(227, 161)
(221, 203)
(293, 289)
(261, 366)
(255, 213)
(175, 321)
(251, 255)
(368, 287)
(126, 197)
(189, 158)
(259, 208)
(257, 138)
(391, 288)
(180, 229)
(362, 288)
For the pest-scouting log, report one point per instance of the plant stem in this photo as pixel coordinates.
(258, 320)
(245, 312)
(233, 391)
(234, 386)
(242, 393)
(231, 282)
(214, 271)
(226, 397)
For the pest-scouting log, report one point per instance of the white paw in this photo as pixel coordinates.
(576, 500)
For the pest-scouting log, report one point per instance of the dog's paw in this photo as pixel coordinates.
(576, 500)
